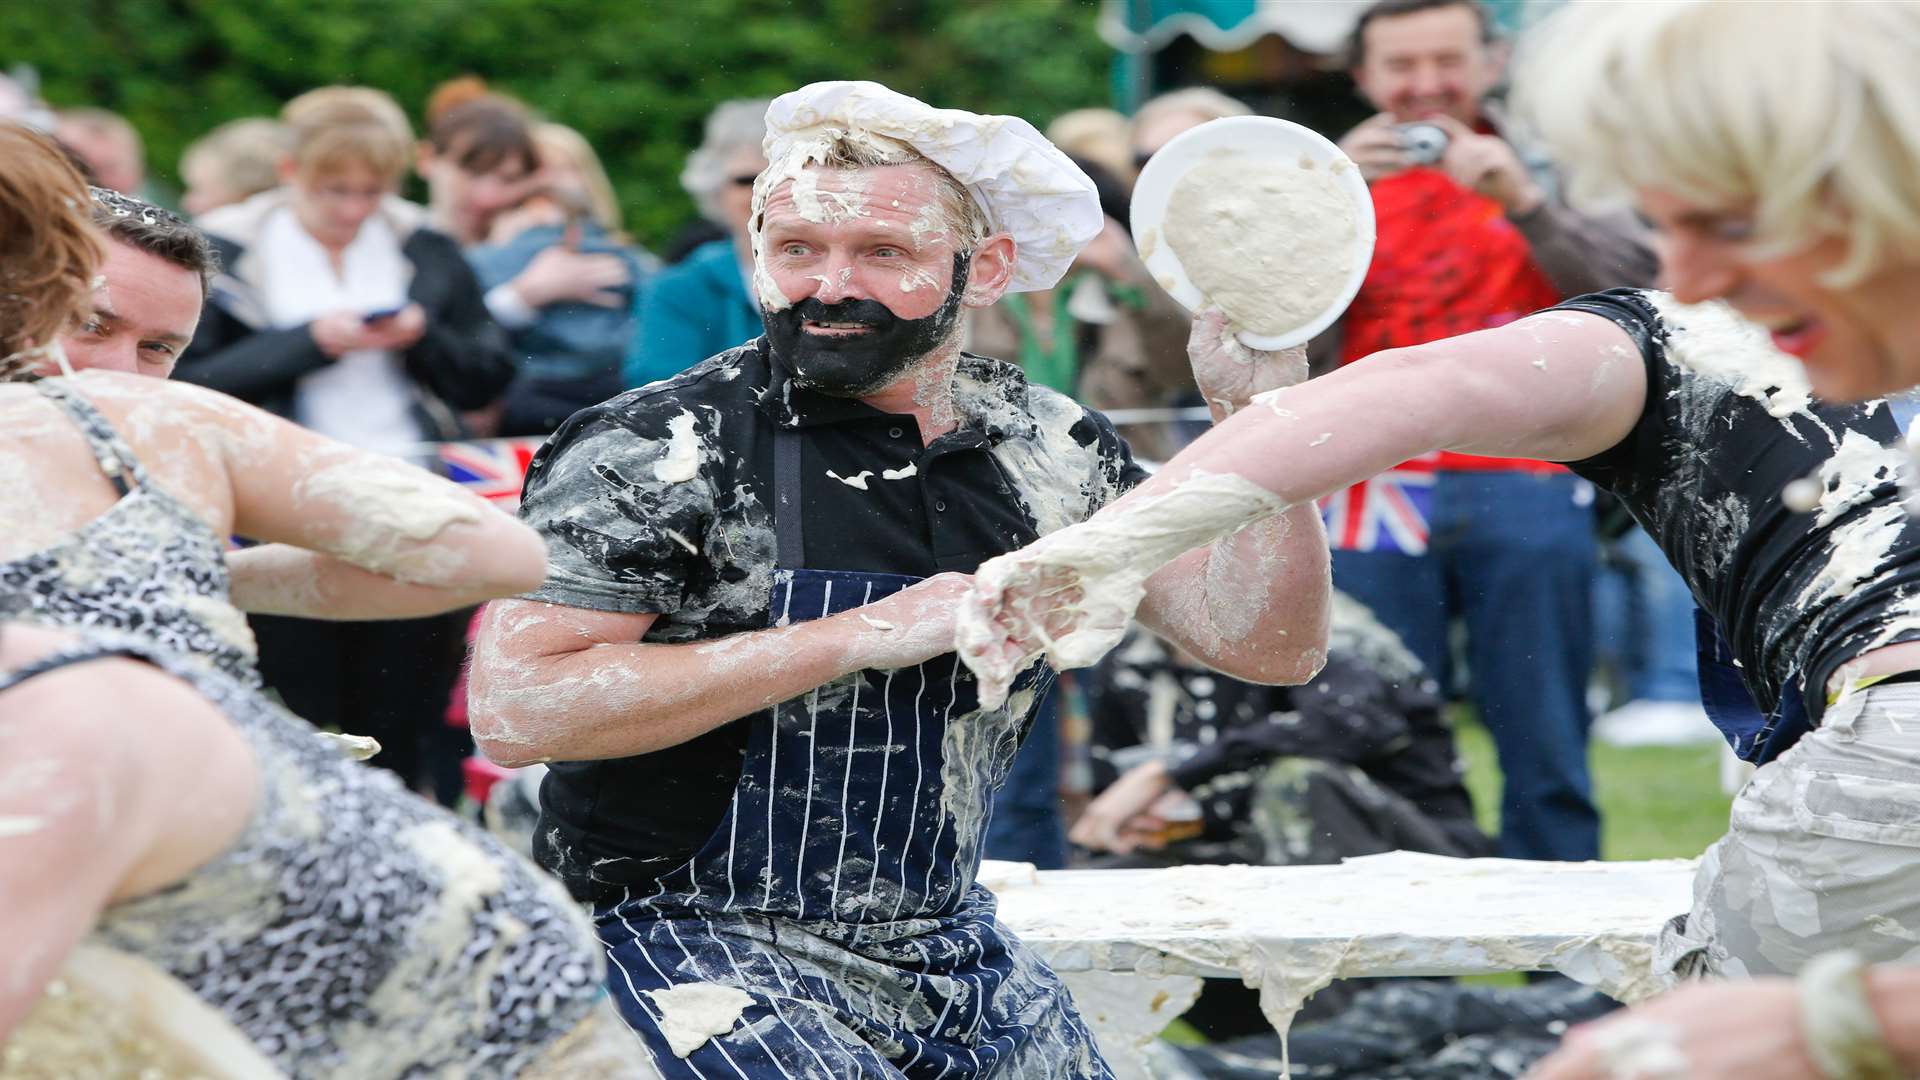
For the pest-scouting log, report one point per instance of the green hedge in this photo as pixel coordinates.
(636, 77)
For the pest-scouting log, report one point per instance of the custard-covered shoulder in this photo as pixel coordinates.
(623, 493)
(1070, 463)
(716, 381)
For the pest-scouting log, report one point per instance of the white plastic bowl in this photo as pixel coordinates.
(1257, 139)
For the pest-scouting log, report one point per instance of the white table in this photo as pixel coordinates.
(1291, 930)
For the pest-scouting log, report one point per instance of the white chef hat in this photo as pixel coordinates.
(1027, 187)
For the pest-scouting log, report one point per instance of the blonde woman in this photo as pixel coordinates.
(1775, 146)
(341, 310)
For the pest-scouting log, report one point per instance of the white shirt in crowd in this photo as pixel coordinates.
(365, 397)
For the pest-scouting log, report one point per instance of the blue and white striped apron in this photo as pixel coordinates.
(838, 890)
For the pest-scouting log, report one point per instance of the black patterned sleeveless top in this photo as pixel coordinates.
(355, 930)
(149, 566)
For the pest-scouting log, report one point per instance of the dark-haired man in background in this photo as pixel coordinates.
(151, 287)
(1474, 238)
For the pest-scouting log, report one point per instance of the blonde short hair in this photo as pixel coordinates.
(1202, 101)
(336, 126)
(244, 155)
(731, 127)
(1806, 110)
(1098, 135)
(560, 140)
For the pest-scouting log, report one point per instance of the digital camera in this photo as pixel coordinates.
(1424, 144)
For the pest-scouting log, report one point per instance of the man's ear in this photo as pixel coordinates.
(990, 270)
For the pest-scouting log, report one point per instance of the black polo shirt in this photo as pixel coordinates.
(661, 500)
(1794, 594)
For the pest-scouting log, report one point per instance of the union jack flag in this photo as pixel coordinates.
(493, 468)
(1386, 513)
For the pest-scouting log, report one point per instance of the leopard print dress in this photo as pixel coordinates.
(354, 930)
(149, 566)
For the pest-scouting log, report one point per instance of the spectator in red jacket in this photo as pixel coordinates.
(1472, 233)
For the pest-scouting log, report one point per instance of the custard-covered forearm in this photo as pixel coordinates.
(279, 579)
(619, 698)
(1253, 604)
(1097, 571)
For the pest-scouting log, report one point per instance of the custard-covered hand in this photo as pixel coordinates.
(1024, 605)
(1229, 373)
(910, 627)
(1716, 1031)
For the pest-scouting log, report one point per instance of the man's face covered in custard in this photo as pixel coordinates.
(869, 279)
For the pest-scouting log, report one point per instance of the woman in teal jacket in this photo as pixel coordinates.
(701, 305)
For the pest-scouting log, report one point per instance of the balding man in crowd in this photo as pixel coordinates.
(109, 146)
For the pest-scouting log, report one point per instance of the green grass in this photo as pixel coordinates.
(1655, 802)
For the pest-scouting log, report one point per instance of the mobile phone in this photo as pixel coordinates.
(382, 314)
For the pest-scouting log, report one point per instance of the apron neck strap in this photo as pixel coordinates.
(787, 530)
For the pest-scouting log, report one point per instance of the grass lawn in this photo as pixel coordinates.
(1655, 802)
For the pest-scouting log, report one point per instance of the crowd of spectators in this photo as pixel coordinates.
(512, 297)
(296, 277)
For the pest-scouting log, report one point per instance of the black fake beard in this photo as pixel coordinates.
(859, 364)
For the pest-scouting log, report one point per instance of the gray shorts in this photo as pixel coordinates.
(1822, 851)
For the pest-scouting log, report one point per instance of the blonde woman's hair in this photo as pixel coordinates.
(562, 141)
(244, 154)
(1806, 111)
(49, 249)
(1102, 136)
(1202, 101)
(336, 126)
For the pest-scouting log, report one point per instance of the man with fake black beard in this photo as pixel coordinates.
(770, 775)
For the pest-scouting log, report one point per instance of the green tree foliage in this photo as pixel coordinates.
(635, 76)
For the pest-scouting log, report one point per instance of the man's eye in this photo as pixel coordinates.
(793, 251)
(92, 326)
(888, 252)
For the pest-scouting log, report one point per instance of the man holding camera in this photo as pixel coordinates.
(1472, 233)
